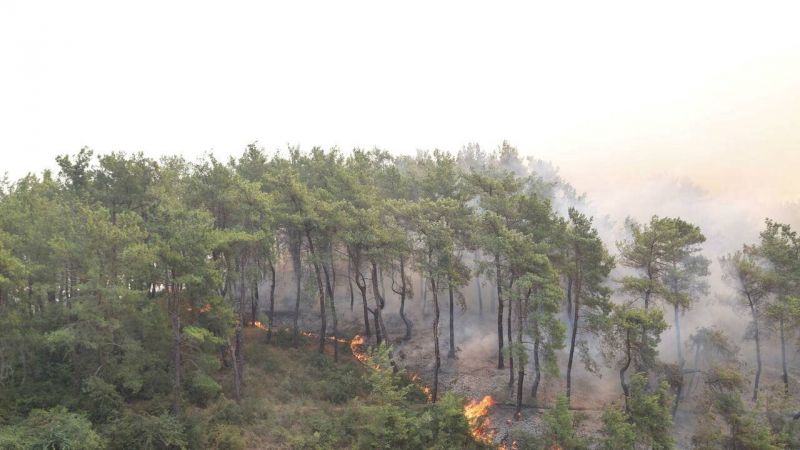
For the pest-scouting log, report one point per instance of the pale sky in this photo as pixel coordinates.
(613, 93)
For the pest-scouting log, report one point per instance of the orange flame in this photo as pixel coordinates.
(258, 324)
(480, 425)
(357, 347)
(416, 379)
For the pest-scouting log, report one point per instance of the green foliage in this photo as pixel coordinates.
(561, 427)
(101, 400)
(146, 432)
(202, 389)
(618, 432)
(649, 412)
(54, 429)
(226, 437)
(723, 399)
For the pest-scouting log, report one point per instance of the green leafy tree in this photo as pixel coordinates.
(745, 272)
(589, 265)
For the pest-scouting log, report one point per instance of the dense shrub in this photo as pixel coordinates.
(146, 432)
(101, 400)
(54, 429)
(202, 389)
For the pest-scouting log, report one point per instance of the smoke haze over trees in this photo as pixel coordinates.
(358, 299)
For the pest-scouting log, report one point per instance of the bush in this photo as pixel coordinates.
(54, 429)
(146, 432)
(226, 437)
(202, 389)
(619, 433)
(561, 427)
(101, 400)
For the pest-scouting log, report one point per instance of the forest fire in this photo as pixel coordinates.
(480, 425)
(416, 379)
(357, 347)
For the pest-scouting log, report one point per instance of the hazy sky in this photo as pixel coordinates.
(613, 93)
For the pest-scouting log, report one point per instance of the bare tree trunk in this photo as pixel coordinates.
(758, 355)
(379, 299)
(329, 285)
(480, 295)
(537, 370)
(239, 336)
(521, 312)
(573, 340)
(451, 353)
(350, 283)
(569, 297)
(435, 389)
(424, 294)
(362, 287)
(381, 279)
(680, 361)
(378, 334)
(510, 356)
(298, 273)
(499, 283)
(783, 357)
(254, 302)
(678, 335)
(624, 368)
(321, 290)
(270, 319)
(402, 293)
(175, 321)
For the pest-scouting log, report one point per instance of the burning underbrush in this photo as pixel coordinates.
(476, 411)
(480, 423)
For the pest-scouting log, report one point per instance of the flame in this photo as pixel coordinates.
(357, 347)
(258, 324)
(416, 379)
(480, 425)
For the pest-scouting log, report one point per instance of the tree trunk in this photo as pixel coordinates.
(321, 289)
(254, 302)
(625, 366)
(451, 353)
(536, 369)
(330, 289)
(573, 340)
(510, 356)
(379, 300)
(402, 294)
(378, 334)
(499, 283)
(270, 319)
(381, 279)
(569, 297)
(175, 321)
(298, 272)
(239, 336)
(521, 371)
(362, 287)
(680, 361)
(350, 283)
(783, 357)
(438, 361)
(480, 295)
(758, 354)
(678, 336)
(424, 294)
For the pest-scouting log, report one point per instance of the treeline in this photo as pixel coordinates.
(123, 277)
